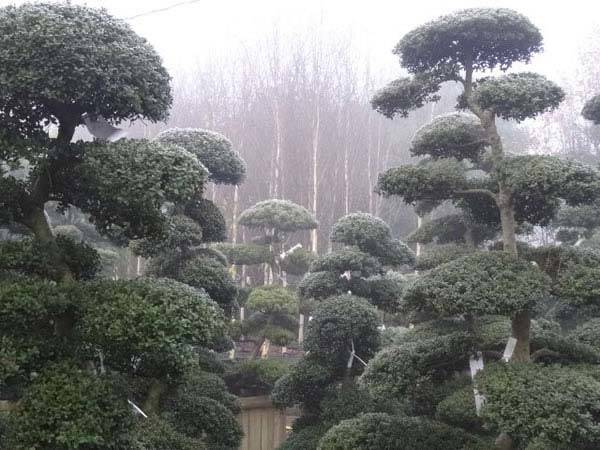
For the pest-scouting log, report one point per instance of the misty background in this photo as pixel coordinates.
(289, 83)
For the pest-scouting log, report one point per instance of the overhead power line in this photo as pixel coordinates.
(159, 10)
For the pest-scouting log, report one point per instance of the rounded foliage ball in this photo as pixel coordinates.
(96, 63)
(454, 135)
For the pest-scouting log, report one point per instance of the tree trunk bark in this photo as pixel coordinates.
(152, 402)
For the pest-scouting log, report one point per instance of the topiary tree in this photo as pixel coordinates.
(342, 333)
(513, 189)
(273, 316)
(367, 248)
(276, 219)
(78, 348)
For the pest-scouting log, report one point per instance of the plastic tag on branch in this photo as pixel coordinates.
(137, 409)
(476, 364)
(509, 349)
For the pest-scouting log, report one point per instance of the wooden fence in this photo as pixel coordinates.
(263, 423)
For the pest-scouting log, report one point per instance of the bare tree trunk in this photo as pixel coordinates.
(315, 175)
(346, 166)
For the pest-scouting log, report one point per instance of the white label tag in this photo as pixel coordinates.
(510, 348)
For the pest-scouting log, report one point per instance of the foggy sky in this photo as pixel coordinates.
(190, 33)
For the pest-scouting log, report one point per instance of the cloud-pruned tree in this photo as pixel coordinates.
(523, 188)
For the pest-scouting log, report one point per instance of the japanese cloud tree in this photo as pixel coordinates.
(75, 349)
(275, 220)
(361, 265)
(463, 157)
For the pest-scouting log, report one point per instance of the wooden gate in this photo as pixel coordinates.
(263, 424)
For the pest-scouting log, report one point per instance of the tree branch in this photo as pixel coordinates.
(476, 192)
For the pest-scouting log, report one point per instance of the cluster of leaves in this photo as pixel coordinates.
(213, 149)
(69, 408)
(255, 377)
(247, 254)
(125, 184)
(45, 42)
(437, 255)
(406, 94)
(518, 96)
(538, 182)
(200, 407)
(481, 283)
(281, 215)
(452, 228)
(30, 256)
(372, 236)
(591, 110)
(274, 310)
(456, 135)
(379, 430)
(474, 36)
(554, 402)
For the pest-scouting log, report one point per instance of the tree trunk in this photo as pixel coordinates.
(152, 402)
(315, 176)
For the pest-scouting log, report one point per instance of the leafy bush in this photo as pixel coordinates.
(212, 149)
(281, 215)
(458, 409)
(456, 135)
(411, 371)
(32, 257)
(255, 377)
(337, 323)
(528, 400)
(210, 275)
(247, 254)
(148, 325)
(375, 431)
(481, 283)
(437, 255)
(306, 438)
(66, 409)
(209, 217)
(155, 433)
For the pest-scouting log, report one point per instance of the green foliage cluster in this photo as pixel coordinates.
(373, 236)
(274, 310)
(518, 96)
(538, 182)
(479, 284)
(297, 262)
(385, 291)
(208, 215)
(591, 110)
(553, 402)
(432, 180)
(212, 149)
(406, 94)
(155, 433)
(182, 232)
(69, 408)
(457, 135)
(209, 274)
(146, 326)
(375, 431)
(119, 75)
(452, 228)
(248, 254)
(338, 323)
(255, 377)
(281, 215)
(200, 407)
(30, 256)
(474, 34)
(410, 372)
(124, 184)
(458, 409)
(435, 256)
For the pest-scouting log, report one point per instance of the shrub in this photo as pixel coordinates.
(256, 377)
(375, 431)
